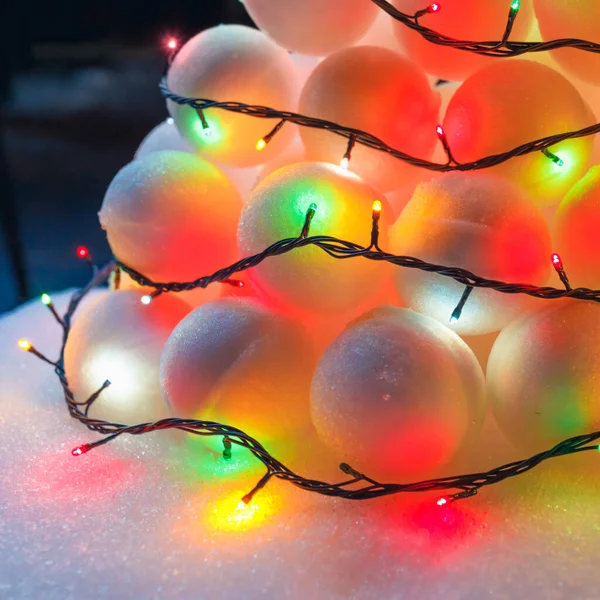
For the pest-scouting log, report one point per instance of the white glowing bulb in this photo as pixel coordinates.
(146, 299)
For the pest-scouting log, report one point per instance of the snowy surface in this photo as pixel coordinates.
(141, 519)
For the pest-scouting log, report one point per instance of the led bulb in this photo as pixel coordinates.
(82, 252)
(516, 5)
(172, 44)
(24, 345)
(433, 8)
(80, 450)
(377, 206)
(440, 131)
(260, 145)
(146, 299)
(46, 300)
(442, 501)
(557, 261)
(344, 163)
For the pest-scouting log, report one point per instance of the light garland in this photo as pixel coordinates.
(359, 486)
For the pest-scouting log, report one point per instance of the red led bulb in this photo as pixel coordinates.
(82, 252)
(80, 450)
(557, 261)
(442, 502)
(433, 8)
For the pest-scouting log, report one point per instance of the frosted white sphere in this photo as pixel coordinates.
(307, 279)
(172, 216)
(166, 136)
(235, 362)
(378, 91)
(396, 394)
(313, 27)
(542, 375)
(480, 223)
(120, 339)
(238, 64)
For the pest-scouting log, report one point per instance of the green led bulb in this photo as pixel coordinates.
(313, 207)
(516, 5)
(46, 300)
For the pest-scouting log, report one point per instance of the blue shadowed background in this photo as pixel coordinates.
(78, 93)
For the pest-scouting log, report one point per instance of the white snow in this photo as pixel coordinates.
(137, 519)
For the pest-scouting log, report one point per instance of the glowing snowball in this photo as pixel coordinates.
(237, 64)
(511, 103)
(166, 136)
(119, 339)
(577, 227)
(312, 27)
(380, 92)
(375, 402)
(482, 224)
(235, 362)
(477, 20)
(542, 375)
(566, 19)
(307, 278)
(172, 216)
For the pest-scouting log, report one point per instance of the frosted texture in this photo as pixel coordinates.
(576, 231)
(128, 521)
(480, 20)
(375, 403)
(165, 136)
(312, 27)
(482, 224)
(120, 339)
(172, 216)
(381, 92)
(542, 375)
(233, 360)
(578, 19)
(308, 279)
(240, 64)
(510, 103)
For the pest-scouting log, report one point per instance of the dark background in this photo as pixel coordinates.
(78, 93)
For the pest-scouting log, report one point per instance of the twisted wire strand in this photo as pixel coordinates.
(359, 486)
(501, 48)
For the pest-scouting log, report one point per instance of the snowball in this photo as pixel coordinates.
(559, 19)
(542, 375)
(576, 231)
(307, 279)
(511, 103)
(474, 20)
(120, 339)
(167, 137)
(236, 64)
(482, 224)
(312, 27)
(375, 403)
(233, 361)
(172, 216)
(380, 92)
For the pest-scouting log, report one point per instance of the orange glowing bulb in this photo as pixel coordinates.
(377, 206)
(261, 144)
(24, 345)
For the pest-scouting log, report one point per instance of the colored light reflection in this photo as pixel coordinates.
(229, 514)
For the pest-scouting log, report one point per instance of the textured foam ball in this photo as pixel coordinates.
(313, 27)
(308, 279)
(542, 375)
(480, 223)
(238, 64)
(378, 91)
(511, 103)
(166, 136)
(375, 403)
(172, 216)
(235, 362)
(567, 19)
(576, 231)
(120, 339)
(462, 20)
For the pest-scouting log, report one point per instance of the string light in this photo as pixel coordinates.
(348, 154)
(310, 213)
(432, 8)
(262, 143)
(25, 345)
(146, 299)
(172, 44)
(375, 216)
(553, 157)
(206, 130)
(557, 263)
(366, 139)
(46, 300)
(82, 252)
(457, 312)
(442, 502)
